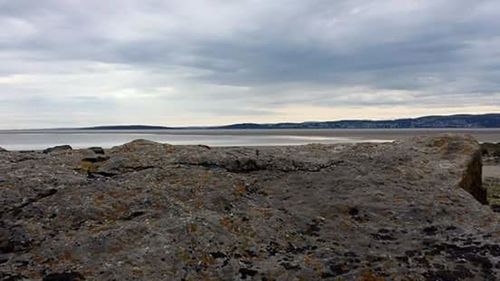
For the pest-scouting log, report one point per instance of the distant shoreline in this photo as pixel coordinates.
(458, 121)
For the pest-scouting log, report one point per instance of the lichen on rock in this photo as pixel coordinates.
(407, 210)
(492, 186)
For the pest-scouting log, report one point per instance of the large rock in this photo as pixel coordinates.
(58, 148)
(408, 210)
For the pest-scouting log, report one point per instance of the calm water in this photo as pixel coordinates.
(40, 139)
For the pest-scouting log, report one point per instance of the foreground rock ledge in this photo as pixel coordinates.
(408, 210)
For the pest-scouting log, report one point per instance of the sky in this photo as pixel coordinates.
(68, 63)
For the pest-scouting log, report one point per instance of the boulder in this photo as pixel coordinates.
(407, 210)
(97, 150)
(57, 149)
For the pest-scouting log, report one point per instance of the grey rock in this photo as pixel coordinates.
(97, 150)
(408, 210)
(492, 186)
(3, 150)
(57, 149)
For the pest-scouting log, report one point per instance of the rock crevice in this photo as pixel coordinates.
(472, 178)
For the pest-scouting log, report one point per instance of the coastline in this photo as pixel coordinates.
(41, 139)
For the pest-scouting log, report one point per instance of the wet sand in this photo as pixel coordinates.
(491, 171)
(40, 139)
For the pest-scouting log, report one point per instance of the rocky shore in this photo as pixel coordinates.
(408, 210)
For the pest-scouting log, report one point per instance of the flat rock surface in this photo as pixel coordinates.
(407, 210)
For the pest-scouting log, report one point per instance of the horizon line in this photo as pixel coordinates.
(247, 123)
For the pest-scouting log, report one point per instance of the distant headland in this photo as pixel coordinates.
(491, 120)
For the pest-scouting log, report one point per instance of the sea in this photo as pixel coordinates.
(41, 139)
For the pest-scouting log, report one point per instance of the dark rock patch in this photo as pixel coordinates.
(66, 276)
(96, 159)
(430, 230)
(57, 149)
(97, 150)
(246, 272)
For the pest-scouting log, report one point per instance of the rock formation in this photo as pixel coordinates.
(408, 210)
(57, 149)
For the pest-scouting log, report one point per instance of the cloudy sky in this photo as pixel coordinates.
(195, 62)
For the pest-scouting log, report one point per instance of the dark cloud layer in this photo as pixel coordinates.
(178, 62)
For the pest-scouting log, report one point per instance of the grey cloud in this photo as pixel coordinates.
(283, 52)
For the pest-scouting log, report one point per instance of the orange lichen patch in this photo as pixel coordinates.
(449, 144)
(99, 199)
(207, 260)
(119, 207)
(119, 194)
(345, 224)
(236, 226)
(67, 256)
(108, 225)
(191, 228)
(369, 276)
(397, 199)
(54, 263)
(440, 142)
(443, 199)
(240, 188)
(115, 247)
(205, 177)
(38, 259)
(7, 186)
(88, 166)
(137, 271)
(226, 222)
(184, 256)
(32, 274)
(312, 262)
(198, 203)
(264, 212)
(201, 276)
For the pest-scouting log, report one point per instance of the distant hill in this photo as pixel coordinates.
(127, 127)
(452, 121)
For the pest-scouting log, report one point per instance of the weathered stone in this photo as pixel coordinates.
(492, 186)
(408, 210)
(97, 150)
(57, 149)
